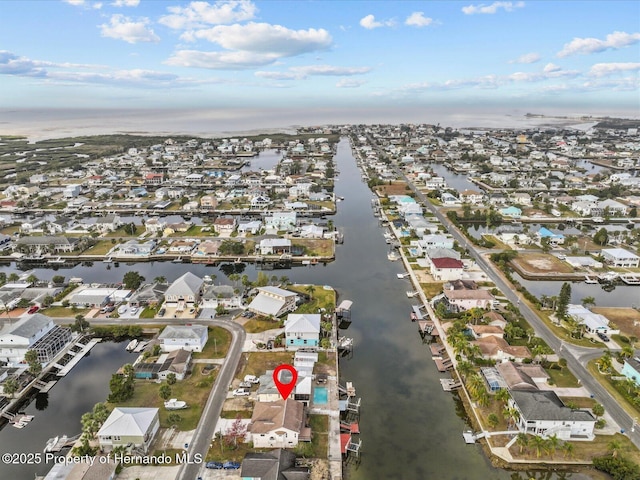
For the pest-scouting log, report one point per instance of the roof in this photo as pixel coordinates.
(267, 465)
(187, 284)
(269, 416)
(619, 253)
(492, 345)
(515, 377)
(546, 405)
(266, 305)
(190, 332)
(446, 263)
(304, 323)
(468, 294)
(128, 422)
(29, 326)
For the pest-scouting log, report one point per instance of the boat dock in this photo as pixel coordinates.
(77, 356)
(343, 312)
(590, 279)
(630, 278)
(437, 349)
(44, 387)
(449, 384)
(443, 364)
(56, 444)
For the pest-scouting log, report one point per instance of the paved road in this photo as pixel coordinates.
(205, 430)
(577, 357)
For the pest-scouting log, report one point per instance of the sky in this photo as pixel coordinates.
(536, 55)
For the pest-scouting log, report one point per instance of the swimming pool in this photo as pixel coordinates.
(320, 396)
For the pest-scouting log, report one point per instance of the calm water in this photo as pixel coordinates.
(59, 411)
(411, 429)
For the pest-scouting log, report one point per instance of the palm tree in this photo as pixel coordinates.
(614, 447)
(568, 450)
(627, 351)
(588, 302)
(553, 442)
(605, 363)
(502, 395)
(464, 369)
(13, 277)
(511, 413)
(310, 289)
(522, 440)
(539, 444)
(160, 279)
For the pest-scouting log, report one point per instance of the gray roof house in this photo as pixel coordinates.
(149, 294)
(135, 426)
(543, 413)
(186, 288)
(188, 337)
(277, 464)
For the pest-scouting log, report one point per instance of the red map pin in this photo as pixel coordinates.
(285, 389)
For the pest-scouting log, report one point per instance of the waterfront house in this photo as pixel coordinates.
(445, 269)
(149, 294)
(542, 413)
(484, 331)
(108, 223)
(186, 337)
(554, 238)
(471, 196)
(496, 348)
(302, 330)
(513, 212)
(184, 290)
(274, 246)
(177, 362)
(520, 376)
(273, 301)
(593, 322)
(221, 295)
(432, 241)
(619, 257)
(224, 225)
(277, 464)
(46, 244)
(208, 202)
(129, 427)
(86, 296)
(155, 225)
(253, 227)
(463, 300)
(35, 332)
(281, 221)
(278, 424)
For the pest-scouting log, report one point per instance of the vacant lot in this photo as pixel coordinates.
(396, 188)
(627, 319)
(541, 263)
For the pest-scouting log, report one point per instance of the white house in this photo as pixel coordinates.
(302, 330)
(37, 332)
(619, 257)
(274, 246)
(135, 427)
(187, 337)
(273, 301)
(278, 424)
(593, 322)
(184, 290)
(543, 413)
(445, 269)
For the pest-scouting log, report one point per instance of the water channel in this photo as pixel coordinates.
(411, 429)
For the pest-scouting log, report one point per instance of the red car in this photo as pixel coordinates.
(33, 309)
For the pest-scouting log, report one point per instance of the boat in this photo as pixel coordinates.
(107, 260)
(132, 345)
(393, 256)
(175, 404)
(177, 260)
(590, 280)
(56, 261)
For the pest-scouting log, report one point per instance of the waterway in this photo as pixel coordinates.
(59, 411)
(411, 429)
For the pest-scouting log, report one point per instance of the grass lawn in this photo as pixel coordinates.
(258, 363)
(218, 344)
(321, 299)
(149, 312)
(580, 402)
(320, 247)
(63, 312)
(318, 447)
(541, 263)
(100, 248)
(10, 230)
(563, 378)
(616, 393)
(119, 232)
(194, 390)
(432, 289)
(260, 324)
(627, 319)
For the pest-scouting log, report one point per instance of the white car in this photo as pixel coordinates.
(241, 392)
(122, 309)
(251, 379)
(133, 310)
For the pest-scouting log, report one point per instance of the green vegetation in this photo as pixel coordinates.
(217, 346)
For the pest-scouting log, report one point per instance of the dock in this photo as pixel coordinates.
(77, 356)
(443, 364)
(449, 385)
(436, 349)
(630, 278)
(56, 444)
(590, 279)
(343, 312)
(402, 275)
(44, 387)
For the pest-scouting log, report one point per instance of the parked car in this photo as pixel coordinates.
(133, 310)
(231, 465)
(33, 309)
(110, 308)
(214, 465)
(162, 312)
(251, 379)
(603, 337)
(245, 385)
(241, 392)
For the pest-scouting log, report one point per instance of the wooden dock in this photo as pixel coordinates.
(77, 356)
(436, 349)
(443, 364)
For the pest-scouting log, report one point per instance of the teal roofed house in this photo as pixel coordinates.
(514, 212)
(555, 238)
(631, 369)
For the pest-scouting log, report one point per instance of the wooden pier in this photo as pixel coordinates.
(443, 364)
(77, 356)
(449, 385)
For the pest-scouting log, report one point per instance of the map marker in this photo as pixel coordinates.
(285, 389)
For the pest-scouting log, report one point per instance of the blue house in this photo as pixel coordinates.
(513, 212)
(555, 238)
(302, 330)
(631, 369)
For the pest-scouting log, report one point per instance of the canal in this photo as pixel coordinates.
(411, 429)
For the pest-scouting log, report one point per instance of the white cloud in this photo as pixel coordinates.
(606, 69)
(586, 46)
(417, 19)
(267, 39)
(527, 58)
(330, 70)
(278, 75)
(549, 71)
(491, 9)
(350, 83)
(75, 2)
(123, 28)
(97, 6)
(369, 22)
(202, 14)
(551, 67)
(126, 3)
(220, 60)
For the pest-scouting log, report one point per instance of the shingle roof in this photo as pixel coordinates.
(545, 405)
(269, 416)
(187, 284)
(128, 421)
(28, 327)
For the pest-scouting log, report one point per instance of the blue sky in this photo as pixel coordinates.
(532, 55)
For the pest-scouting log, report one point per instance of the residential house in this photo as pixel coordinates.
(471, 196)
(186, 337)
(517, 376)
(272, 465)
(35, 332)
(149, 294)
(281, 221)
(463, 300)
(135, 248)
(208, 202)
(176, 362)
(302, 330)
(253, 227)
(224, 225)
(593, 322)
(155, 226)
(274, 246)
(184, 290)
(273, 301)
(513, 212)
(129, 427)
(554, 238)
(542, 413)
(619, 257)
(444, 269)
(631, 369)
(221, 295)
(278, 424)
(521, 198)
(432, 241)
(484, 331)
(496, 348)
(46, 244)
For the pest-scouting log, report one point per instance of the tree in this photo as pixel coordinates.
(601, 237)
(81, 324)
(588, 302)
(171, 378)
(132, 280)
(236, 430)
(164, 391)
(563, 300)
(10, 386)
(539, 444)
(568, 449)
(32, 279)
(598, 410)
(605, 363)
(160, 279)
(35, 367)
(93, 420)
(57, 279)
(47, 301)
(121, 388)
(493, 420)
(310, 289)
(174, 418)
(545, 243)
(522, 440)
(13, 277)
